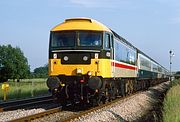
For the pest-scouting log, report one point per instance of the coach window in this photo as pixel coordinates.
(112, 42)
(107, 41)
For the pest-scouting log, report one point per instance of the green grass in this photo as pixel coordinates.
(25, 88)
(176, 82)
(172, 103)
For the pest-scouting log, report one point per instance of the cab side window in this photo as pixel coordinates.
(107, 41)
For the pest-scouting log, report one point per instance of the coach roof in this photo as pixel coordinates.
(81, 24)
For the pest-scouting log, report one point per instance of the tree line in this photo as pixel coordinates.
(14, 65)
(40, 72)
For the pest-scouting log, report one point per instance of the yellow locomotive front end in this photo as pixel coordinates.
(79, 58)
(76, 47)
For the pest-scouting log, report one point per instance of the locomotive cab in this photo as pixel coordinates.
(73, 50)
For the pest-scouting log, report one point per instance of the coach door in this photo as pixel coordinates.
(112, 55)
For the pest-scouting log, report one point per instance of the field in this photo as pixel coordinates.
(172, 103)
(25, 88)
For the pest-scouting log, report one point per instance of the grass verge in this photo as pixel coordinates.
(25, 88)
(172, 103)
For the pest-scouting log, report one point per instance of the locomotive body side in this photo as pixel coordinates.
(124, 62)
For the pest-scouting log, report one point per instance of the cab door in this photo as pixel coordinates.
(108, 46)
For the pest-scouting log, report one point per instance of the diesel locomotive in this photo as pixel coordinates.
(90, 63)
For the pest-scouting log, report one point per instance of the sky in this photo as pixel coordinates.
(153, 26)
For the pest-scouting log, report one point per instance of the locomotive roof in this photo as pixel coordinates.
(122, 39)
(81, 24)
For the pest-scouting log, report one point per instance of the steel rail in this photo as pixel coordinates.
(12, 105)
(71, 118)
(38, 115)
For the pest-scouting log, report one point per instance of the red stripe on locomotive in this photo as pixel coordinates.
(119, 65)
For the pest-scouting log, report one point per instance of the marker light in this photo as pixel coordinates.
(96, 90)
(62, 84)
(81, 81)
(79, 71)
(55, 55)
(66, 58)
(89, 73)
(85, 58)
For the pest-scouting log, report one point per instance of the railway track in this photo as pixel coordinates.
(70, 118)
(12, 105)
(53, 113)
(38, 115)
(83, 113)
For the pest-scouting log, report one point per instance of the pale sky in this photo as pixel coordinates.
(153, 26)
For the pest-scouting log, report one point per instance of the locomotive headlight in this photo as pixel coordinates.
(55, 55)
(85, 58)
(79, 71)
(66, 58)
(89, 73)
